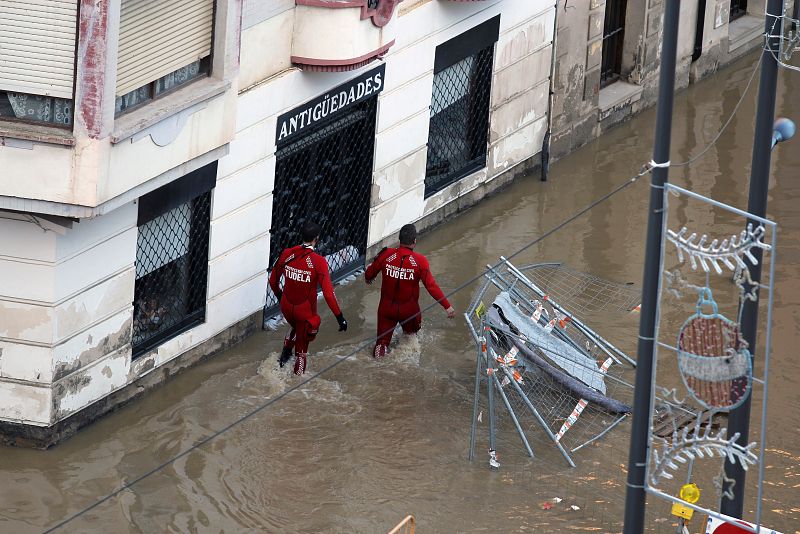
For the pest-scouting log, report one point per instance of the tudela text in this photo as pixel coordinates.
(399, 273)
(298, 275)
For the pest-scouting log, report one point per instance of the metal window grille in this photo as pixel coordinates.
(738, 9)
(326, 177)
(613, 36)
(171, 273)
(459, 127)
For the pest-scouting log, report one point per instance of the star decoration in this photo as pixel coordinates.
(719, 483)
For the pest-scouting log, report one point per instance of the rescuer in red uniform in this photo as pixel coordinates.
(402, 270)
(303, 270)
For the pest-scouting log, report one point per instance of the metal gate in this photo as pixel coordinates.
(325, 176)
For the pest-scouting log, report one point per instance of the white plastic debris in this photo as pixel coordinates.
(557, 499)
(493, 459)
(575, 508)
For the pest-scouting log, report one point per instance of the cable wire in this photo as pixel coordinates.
(724, 126)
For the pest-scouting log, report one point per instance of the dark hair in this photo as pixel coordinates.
(310, 231)
(408, 234)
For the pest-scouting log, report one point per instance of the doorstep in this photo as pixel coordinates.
(743, 30)
(617, 96)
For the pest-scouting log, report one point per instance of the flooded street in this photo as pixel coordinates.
(366, 443)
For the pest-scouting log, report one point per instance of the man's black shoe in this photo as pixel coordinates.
(285, 356)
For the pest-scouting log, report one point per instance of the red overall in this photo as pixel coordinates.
(303, 270)
(402, 270)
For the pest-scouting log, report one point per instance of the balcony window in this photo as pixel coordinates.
(163, 85)
(37, 61)
(162, 46)
(35, 108)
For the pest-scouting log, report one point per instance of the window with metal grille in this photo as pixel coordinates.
(172, 260)
(459, 127)
(613, 37)
(738, 9)
(325, 176)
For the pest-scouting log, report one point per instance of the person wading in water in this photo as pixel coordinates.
(402, 270)
(303, 271)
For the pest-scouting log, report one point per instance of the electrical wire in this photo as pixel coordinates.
(724, 126)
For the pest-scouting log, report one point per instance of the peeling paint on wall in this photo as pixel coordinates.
(90, 384)
(27, 322)
(71, 360)
(27, 404)
(92, 50)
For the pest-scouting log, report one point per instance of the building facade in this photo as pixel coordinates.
(155, 157)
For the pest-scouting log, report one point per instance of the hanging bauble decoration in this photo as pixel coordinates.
(715, 365)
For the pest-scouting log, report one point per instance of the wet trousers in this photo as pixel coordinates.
(304, 323)
(390, 313)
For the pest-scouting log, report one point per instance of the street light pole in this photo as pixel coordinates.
(739, 418)
(635, 496)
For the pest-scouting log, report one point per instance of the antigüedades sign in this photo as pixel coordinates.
(334, 102)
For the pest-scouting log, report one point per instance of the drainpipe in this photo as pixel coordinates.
(546, 140)
(699, 27)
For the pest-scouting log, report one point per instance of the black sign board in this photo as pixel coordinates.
(330, 105)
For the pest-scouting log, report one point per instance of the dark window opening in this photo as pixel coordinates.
(36, 108)
(162, 86)
(459, 126)
(172, 259)
(613, 40)
(326, 176)
(738, 9)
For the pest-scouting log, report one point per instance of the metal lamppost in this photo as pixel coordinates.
(767, 134)
(635, 495)
(783, 129)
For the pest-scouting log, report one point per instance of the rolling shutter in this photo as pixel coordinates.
(37, 46)
(158, 37)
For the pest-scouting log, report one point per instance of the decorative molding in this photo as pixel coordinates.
(340, 65)
(166, 131)
(381, 13)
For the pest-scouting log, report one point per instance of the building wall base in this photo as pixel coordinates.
(43, 437)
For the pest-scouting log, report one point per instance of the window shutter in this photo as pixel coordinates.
(158, 37)
(37, 46)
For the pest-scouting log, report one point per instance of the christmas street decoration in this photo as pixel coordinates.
(703, 444)
(715, 368)
(714, 361)
(730, 252)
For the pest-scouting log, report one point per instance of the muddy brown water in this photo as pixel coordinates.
(358, 448)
